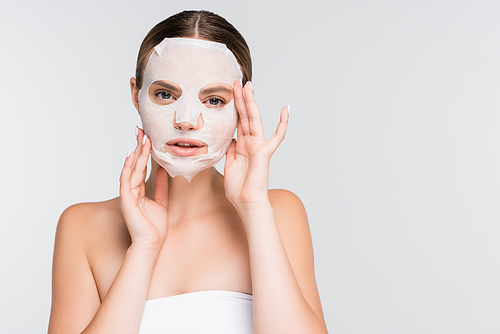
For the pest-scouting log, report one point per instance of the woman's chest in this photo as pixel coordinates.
(196, 256)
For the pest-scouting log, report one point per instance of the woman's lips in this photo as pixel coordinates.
(185, 147)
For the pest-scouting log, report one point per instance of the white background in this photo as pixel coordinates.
(393, 145)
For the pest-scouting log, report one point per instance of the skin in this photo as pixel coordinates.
(166, 236)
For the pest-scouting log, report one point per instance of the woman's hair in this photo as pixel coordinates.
(196, 24)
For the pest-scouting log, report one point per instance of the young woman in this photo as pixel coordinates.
(190, 250)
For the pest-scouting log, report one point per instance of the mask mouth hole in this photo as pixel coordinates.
(185, 145)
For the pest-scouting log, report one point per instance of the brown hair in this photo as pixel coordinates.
(196, 24)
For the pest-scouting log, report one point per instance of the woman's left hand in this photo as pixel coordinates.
(246, 170)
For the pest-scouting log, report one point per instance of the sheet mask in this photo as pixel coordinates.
(192, 64)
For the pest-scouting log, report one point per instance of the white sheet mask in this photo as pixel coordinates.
(192, 64)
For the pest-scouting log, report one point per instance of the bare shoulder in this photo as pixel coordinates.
(288, 208)
(85, 219)
(85, 212)
(81, 230)
(93, 228)
(281, 198)
(292, 223)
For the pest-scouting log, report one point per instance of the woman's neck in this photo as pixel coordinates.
(186, 199)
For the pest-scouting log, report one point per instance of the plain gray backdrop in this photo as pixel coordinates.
(393, 145)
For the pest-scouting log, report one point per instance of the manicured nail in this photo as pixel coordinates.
(144, 139)
(129, 152)
(136, 131)
(288, 109)
(250, 83)
(241, 83)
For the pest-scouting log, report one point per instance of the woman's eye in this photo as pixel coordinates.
(164, 95)
(215, 101)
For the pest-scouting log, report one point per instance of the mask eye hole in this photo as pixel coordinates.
(164, 92)
(216, 95)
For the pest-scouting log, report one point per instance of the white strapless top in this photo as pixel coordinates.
(214, 311)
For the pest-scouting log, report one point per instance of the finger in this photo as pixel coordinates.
(230, 154)
(255, 122)
(279, 135)
(138, 148)
(161, 192)
(239, 131)
(239, 102)
(125, 175)
(141, 164)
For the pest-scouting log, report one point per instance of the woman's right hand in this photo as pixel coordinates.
(146, 219)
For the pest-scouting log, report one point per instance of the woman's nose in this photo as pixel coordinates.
(187, 126)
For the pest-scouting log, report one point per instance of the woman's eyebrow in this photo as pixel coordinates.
(167, 85)
(215, 89)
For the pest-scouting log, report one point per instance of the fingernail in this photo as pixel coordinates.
(129, 152)
(288, 108)
(250, 83)
(136, 131)
(241, 83)
(144, 139)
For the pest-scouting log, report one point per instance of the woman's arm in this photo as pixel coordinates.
(76, 307)
(75, 298)
(286, 299)
(291, 220)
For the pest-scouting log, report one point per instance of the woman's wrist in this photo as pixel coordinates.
(254, 211)
(144, 249)
(249, 207)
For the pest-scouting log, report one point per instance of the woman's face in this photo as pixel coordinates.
(186, 104)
